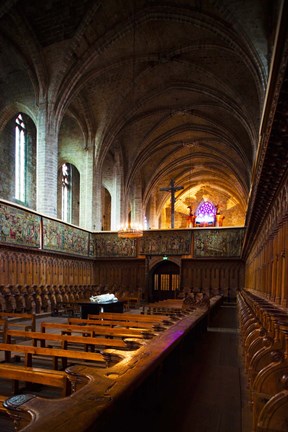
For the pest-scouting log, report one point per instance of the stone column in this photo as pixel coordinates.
(153, 219)
(137, 204)
(96, 204)
(47, 163)
(116, 196)
(86, 192)
(163, 218)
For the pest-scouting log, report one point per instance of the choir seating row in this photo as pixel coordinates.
(178, 306)
(53, 298)
(264, 340)
(78, 340)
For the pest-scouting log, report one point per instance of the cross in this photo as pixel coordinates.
(172, 188)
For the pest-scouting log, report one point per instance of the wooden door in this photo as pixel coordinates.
(165, 281)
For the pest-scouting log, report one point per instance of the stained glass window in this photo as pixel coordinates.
(205, 212)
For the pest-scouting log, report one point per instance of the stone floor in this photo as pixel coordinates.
(206, 392)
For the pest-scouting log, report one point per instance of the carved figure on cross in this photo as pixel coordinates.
(172, 189)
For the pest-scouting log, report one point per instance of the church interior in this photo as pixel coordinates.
(144, 150)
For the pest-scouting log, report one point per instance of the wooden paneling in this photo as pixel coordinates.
(18, 267)
(31, 267)
(125, 273)
(213, 277)
(266, 264)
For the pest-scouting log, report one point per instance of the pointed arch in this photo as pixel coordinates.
(68, 193)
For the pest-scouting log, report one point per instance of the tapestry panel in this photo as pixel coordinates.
(19, 227)
(110, 245)
(166, 243)
(60, 237)
(218, 242)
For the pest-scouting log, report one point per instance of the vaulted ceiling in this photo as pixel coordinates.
(177, 85)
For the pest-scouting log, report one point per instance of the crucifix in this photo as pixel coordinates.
(172, 189)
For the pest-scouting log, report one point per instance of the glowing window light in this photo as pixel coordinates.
(66, 192)
(20, 159)
(206, 212)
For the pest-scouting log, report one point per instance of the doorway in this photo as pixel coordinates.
(165, 281)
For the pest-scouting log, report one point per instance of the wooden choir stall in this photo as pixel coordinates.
(96, 394)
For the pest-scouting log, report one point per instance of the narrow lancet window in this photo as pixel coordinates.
(66, 192)
(20, 159)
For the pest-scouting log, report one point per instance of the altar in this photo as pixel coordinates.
(88, 307)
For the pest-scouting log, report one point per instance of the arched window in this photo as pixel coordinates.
(66, 192)
(205, 213)
(69, 193)
(20, 158)
(106, 210)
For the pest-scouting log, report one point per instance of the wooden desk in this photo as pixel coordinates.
(88, 307)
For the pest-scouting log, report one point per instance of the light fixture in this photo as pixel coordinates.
(131, 232)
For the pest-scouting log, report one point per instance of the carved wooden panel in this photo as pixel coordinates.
(121, 273)
(266, 268)
(223, 277)
(35, 268)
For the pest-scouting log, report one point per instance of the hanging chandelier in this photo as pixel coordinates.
(131, 232)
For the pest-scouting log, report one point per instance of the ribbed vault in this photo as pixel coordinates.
(177, 87)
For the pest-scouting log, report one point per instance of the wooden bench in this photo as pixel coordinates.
(68, 308)
(107, 393)
(172, 308)
(97, 330)
(52, 378)
(16, 319)
(3, 328)
(129, 317)
(54, 353)
(65, 340)
(113, 323)
(166, 304)
(131, 301)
